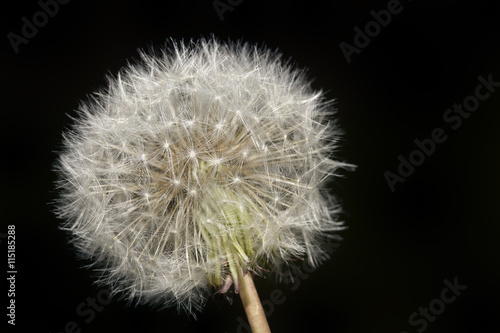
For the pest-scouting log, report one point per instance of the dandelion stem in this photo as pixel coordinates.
(253, 306)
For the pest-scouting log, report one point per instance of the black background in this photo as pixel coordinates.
(441, 223)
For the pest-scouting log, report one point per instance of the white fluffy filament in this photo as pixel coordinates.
(195, 165)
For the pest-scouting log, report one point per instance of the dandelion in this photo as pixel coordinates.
(196, 169)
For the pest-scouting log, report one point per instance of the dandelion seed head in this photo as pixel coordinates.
(198, 159)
